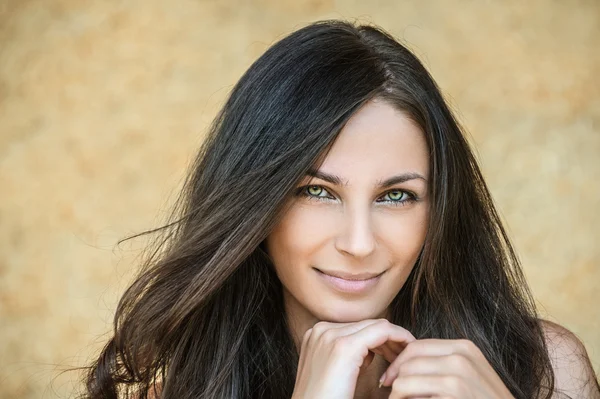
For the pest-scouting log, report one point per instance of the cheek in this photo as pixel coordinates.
(307, 229)
(403, 236)
(298, 236)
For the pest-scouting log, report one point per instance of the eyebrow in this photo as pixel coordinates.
(336, 180)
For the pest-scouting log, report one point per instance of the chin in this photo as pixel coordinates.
(347, 313)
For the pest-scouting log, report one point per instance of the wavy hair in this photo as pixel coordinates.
(204, 317)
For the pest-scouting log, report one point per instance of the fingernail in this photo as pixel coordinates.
(381, 380)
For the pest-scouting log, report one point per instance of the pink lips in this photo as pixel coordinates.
(350, 283)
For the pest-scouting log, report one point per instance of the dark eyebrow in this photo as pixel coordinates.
(336, 180)
(401, 178)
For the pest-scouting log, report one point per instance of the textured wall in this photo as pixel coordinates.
(102, 104)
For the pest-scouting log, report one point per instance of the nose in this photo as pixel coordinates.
(356, 237)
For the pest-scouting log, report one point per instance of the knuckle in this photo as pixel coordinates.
(453, 384)
(411, 349)
(397, 385)
(471, 349)
(328, 336)
(405, 368)
(467, 345)
(320, 327)
(307, 335)
(459, 362)
(384, 322)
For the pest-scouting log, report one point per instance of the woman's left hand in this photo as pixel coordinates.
(443, 368)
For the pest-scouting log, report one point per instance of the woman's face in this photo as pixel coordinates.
(353, 233)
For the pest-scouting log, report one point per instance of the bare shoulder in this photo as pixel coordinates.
(574, 374)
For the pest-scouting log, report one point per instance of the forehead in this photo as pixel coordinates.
(378, 140)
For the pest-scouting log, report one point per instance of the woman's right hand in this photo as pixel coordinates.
(333, 354)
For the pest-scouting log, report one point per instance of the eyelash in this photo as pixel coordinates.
(302, 192)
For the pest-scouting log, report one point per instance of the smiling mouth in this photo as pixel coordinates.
(348, 283)
(350, 276)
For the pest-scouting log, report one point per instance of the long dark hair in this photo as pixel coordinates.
(205, 318)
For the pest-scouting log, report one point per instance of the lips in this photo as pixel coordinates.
(349, 283)
(350, 276)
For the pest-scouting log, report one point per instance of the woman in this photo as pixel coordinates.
(335, 239)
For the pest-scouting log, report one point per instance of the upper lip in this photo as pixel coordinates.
(350, 276)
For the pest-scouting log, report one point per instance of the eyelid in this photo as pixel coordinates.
(324, 188)
(412, 196)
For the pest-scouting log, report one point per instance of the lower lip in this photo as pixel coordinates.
(350, 286)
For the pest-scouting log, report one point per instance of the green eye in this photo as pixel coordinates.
(315, 190)
(395, 195)
(321, 194)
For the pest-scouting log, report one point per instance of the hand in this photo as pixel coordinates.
(332, 355)
(443, 368)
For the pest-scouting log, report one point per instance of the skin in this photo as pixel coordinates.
(358, 227)
(346, 343)
(353, 230)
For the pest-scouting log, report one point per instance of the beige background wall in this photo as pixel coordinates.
(102, 104)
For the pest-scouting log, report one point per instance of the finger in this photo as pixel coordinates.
(387, 339)
(442, 347)
(340, 329)
(304, 349)
(452, 365)
(396, 347)
(448, 356)
(392, 349)
(367, 361)
(426, 386)
(377, 334)
(386, 352)
(313, 334)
